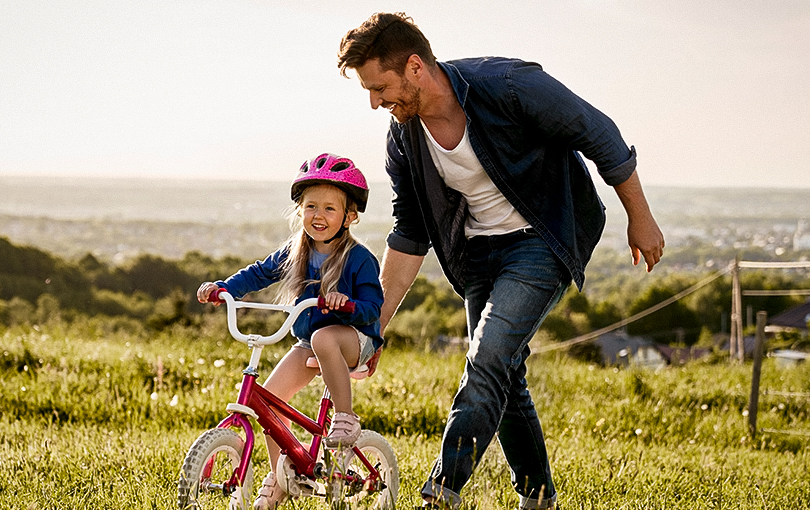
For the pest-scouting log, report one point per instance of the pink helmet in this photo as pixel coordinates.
(330, 169)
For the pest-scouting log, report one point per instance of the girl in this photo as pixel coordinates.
(321, 259)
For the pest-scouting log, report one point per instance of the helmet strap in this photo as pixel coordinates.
(340, 231)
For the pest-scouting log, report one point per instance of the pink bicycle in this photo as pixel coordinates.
(218, 473)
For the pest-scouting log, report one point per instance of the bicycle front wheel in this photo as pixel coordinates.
(210, 463)
(370, 493)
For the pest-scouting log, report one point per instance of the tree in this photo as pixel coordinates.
(675, 323)
(429, 310)
(158, 277)
(27, 273)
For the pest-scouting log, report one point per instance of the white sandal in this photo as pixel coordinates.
(271, 495)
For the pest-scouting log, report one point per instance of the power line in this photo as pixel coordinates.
(686, 292)
(632, 318)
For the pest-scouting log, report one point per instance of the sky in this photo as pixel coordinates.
(710, 93)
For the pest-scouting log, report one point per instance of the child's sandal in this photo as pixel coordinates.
(271, 495)
(344, 431)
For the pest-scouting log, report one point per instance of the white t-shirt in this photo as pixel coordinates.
(489, 211)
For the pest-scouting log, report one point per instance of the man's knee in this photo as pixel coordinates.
(493, 354)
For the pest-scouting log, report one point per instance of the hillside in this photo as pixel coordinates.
(117, 219)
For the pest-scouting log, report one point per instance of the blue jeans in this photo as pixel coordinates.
(512, 282)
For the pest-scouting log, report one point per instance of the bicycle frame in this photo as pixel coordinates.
(265, 407)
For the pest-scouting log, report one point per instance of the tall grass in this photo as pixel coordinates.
(100, 415)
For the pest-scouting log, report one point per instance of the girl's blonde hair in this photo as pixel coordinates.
(300, 246)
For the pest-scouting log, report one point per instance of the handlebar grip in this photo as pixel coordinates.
(347, 307)
(214, 296)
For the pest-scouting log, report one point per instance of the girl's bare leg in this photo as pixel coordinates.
(290, 375)
(337, 348)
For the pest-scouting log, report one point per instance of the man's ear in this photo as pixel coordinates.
(414, 67)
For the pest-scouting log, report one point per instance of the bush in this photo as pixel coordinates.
(170, 310)
(19, 311)
(158, 277)
(429, 311)
(138, 305)
(675, 323)
(47, 309)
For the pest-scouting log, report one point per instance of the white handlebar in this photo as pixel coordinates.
(293, 312)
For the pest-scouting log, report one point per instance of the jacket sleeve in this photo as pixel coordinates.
(257, 276)
(557, 113)
(409, 234)
(364, 276)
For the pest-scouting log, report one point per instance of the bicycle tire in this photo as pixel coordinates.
(226, 446)
(380, 454)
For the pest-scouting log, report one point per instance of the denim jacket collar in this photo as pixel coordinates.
(459, 84)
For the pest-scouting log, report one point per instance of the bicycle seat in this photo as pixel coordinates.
(358, 373)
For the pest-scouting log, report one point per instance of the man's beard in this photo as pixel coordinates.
(408, 107)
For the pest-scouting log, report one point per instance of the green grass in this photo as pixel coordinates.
(96, 415)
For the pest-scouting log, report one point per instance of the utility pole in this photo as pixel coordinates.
(759, 349)
(736, 343)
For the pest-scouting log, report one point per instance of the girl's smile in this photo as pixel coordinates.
(323, 211)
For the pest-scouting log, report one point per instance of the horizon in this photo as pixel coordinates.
(601, 186)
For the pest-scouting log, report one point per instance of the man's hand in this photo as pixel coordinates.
(645, 240)
(372, 363)
(643, 235)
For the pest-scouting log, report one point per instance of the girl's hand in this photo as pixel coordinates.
(205, 290)
(334, 300)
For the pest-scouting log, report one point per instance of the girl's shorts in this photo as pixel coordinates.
(365, 343)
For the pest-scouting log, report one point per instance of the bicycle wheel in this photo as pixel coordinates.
(365, 495)
(199, 491)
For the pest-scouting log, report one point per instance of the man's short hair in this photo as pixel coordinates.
(389, 38)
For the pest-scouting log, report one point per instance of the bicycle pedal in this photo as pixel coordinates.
(306, 487)
(310, 483)
(340, 459)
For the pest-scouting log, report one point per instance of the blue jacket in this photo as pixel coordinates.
(527, 130)
(360, 281)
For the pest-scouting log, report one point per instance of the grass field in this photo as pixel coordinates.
(94, 415)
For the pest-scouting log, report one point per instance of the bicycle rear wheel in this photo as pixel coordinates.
(198, 489)
(380, 455)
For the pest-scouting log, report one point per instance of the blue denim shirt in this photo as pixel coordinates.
(528, 131)
(360, 281)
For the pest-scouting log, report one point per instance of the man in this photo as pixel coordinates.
(483, 156)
